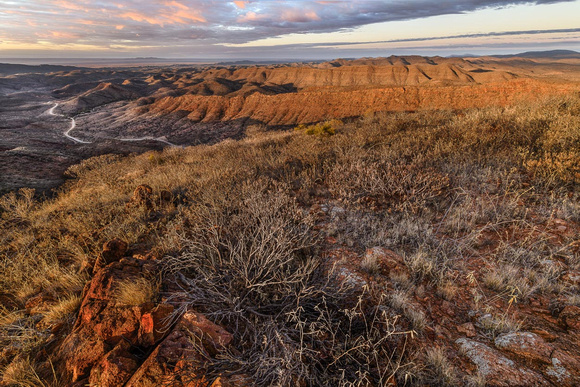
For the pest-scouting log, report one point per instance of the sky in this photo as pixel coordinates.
(283, 29)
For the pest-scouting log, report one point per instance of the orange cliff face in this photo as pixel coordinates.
(352, 88)
(321, 104)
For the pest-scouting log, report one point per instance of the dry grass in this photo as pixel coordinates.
(370, 264)
(438, 369)
(21, 373)
(63, 310)
(498, 324)
(135, 292)
(400, 301)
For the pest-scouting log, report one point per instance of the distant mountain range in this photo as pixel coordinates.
(9, 69)
(554, 54)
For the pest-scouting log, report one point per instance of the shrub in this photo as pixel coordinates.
(249, 262)
(322, 129)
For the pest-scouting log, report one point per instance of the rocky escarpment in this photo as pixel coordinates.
(317, 105)
(207, 105)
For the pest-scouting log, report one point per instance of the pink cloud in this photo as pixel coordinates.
(59, 35)
(140, 17)
(183, 16)
(241, 3)
(70, 5)
(298, 16)
(175, 4)
(172, 13)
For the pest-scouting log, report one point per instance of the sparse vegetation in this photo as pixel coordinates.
(495, 325)
(370, 264)
(470, 201)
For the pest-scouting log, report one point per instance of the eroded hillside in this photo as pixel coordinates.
(195, 105)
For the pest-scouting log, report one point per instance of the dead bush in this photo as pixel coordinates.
(249, 263)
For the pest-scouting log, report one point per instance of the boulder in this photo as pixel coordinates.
(142, 198)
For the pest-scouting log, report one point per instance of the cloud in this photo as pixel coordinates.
(298, 16)
(199, 23)
(446, 37)
(241, 3)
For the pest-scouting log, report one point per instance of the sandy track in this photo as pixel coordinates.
(73, 125)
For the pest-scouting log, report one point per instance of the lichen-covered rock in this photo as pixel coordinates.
(526, 345)
(564, 369)
(497, 369)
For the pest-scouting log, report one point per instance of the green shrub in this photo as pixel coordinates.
(322, 129)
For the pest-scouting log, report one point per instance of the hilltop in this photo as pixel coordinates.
(427, 248)
(400, 221)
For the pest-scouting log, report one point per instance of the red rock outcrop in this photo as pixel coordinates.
(102, 325)
(113, 345)
(177, 359)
